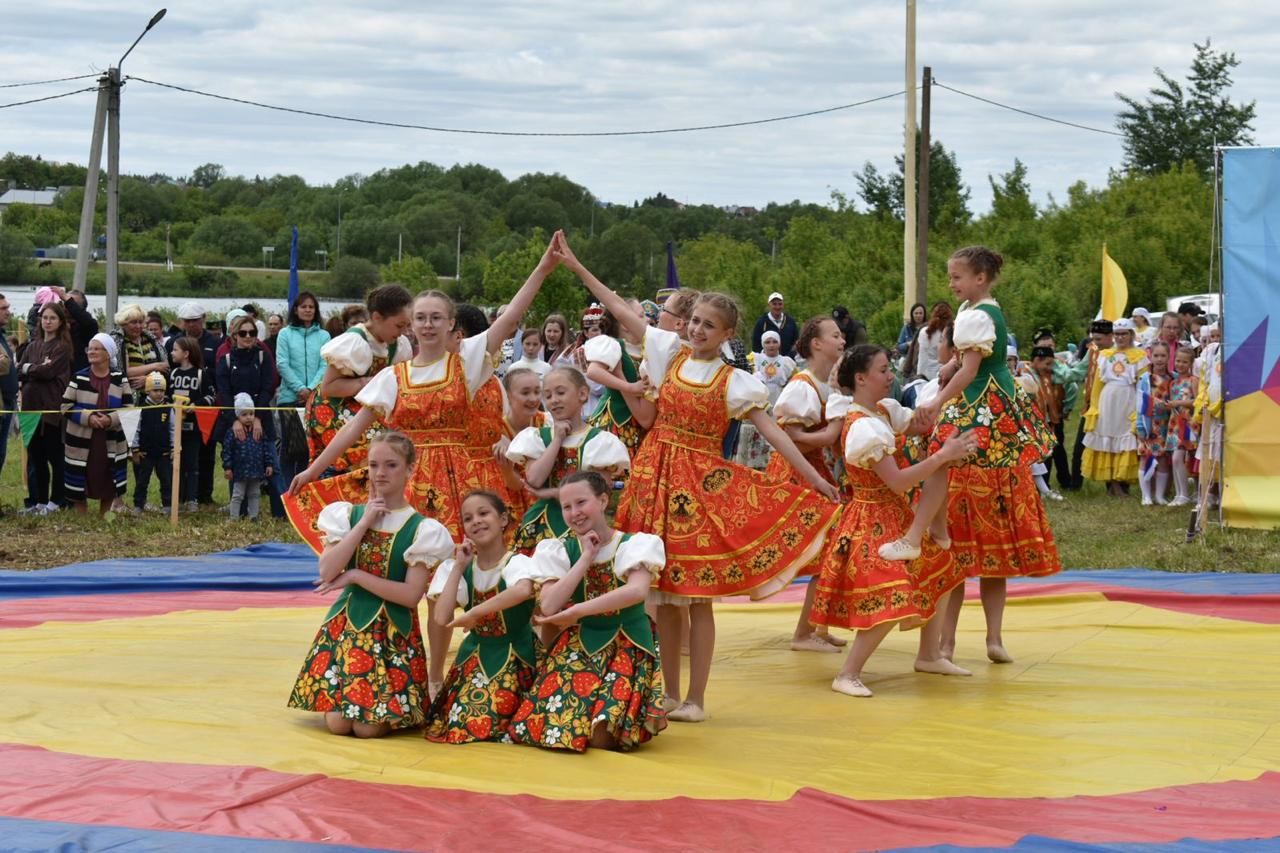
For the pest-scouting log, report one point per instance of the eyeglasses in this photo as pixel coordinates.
(248, 333)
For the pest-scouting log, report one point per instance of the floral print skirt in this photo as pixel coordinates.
(368, 676)
(618, 687)
(473, 706)
(1010, 428)
(998, 525)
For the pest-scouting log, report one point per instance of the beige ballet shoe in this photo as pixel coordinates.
(900, 550)
(687, 713)
(813, 643)
(996, 654)
(941, 666)
(850, 686)
(669, 704)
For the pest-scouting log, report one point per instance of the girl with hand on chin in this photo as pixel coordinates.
(599, 685)
(366, 670)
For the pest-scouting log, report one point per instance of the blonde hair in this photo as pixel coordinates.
(399, 442)
(726, 305)
(443, 297)
(681, 303)
(129, 313)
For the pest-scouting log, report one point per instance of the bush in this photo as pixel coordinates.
(15, 255)
(352, 277)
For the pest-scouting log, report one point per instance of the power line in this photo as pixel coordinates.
(49, 97)
(377, 123)
(1026, 112)
(45, 82)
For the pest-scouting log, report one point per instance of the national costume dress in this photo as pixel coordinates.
(604, 669)
(613, 413)
(367, 661)
(856, 587)
(995, 515)
(495, 663)
(727, 529)
(803, 403)
(1111, 445)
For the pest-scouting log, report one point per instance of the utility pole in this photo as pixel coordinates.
(922, 226)
(90, 204)
(400, 250)
(457, 275)
(909, 170)
(337, 254)
(113, 193)
(168, 254)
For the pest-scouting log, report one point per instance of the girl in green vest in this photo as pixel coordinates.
(495, 664)
(367, 668)
(600, 684)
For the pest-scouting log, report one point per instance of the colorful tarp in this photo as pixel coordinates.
(144, 705)
(1251, 335)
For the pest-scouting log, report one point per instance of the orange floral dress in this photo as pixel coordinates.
(325, 416)
(789, 414)
(487, 424)
(728, 529)
(856, 587)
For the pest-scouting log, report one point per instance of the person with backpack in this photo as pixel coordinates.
(248, 368)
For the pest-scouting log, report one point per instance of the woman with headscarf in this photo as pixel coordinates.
(96, 449)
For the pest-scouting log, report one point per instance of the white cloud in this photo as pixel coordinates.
(620, 66)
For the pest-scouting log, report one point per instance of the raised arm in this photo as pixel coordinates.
(632, 324)
(506, 325)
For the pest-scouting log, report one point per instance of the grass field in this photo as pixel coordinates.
(1093, 532)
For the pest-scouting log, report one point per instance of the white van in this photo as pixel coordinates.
(1209, 303)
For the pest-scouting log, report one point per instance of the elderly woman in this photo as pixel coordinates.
(96, 449)
(139, 352)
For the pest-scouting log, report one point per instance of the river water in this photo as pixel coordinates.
(22, 298)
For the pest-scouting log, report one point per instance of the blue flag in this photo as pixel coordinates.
(293, 268)
(673, 280)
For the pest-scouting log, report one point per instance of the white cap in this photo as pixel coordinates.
(1122, 325)
(233, 315)
(771, 336)
(244, 404)
(1141, 312)
(1011, 352)
(774, 295)
(191, 311)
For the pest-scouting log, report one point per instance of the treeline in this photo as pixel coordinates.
(1156, 226)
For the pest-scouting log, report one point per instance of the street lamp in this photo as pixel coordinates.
(324, 259)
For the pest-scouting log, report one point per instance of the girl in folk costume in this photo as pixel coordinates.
(1182, 437)
(495, 664)
(599, 684)
(1153, 426)
(994, 511)
(486, 421)
(801, 411)
(549, 454)
(727, 529)
(611, 365)
(774, 369)
(351, 360)
(1111, 447)
(524, 409)
(366, 670)
(856, 588)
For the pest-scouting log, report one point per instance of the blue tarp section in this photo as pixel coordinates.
(39, 836)
(1056, 845)
(1202, 583)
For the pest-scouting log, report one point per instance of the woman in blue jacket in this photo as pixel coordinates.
(301, 368)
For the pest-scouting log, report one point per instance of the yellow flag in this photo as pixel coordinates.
(1115, 290)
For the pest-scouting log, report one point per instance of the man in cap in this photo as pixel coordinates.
(775, 320)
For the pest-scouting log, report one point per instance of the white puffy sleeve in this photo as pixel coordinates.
(404, 350)
(432, 544)
(349, 354)
(1029, 383)
(526, 446)
(868, 441)
(837, 406)
(603, 349)
(335, 522)
(476, 363)
(660, 346)
(640, 551)
(550, 561)
(520, 568)
(899, 415)
(605, 452)
(927, 392)
(381, 392)
(441, 577)
(798, 404)
(975, 330)
(745, 393)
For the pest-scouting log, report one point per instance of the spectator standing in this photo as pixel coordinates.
(153, 445)
(192, 383)
(155, 325)
(775, 319)
(301, 368)
(930, 339)
(1143, 332)
(96, 449)
(8, 379)
(43, 372)
(83, 324)
(851, 327)
(275, 324)
(247, 368)
(557, 346)
(916, 321)
(192, 317)
(139, 353)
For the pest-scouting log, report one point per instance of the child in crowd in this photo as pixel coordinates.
(531, 351)
(1153, 427)
(612, 364)
(192, 385)
(1182, 437)
(772, 367)
(599, 685)
(524, 409)
(495, 663)
(1111, 447)
(1049, 395)
(366, 670)
(246, 461)
(152, 445)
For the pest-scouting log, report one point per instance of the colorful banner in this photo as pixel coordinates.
(1251, 336)
(1115, 288)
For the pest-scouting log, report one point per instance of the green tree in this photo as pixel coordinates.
(1178, 124)
(15, 255)
(503, 276)
(352, 277)
(207, 175)
(948, 196)
(223, 240)
(413, 272)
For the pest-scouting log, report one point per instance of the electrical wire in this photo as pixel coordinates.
(45, 82)
(436, 129)
(49, 98)
(1026, 112)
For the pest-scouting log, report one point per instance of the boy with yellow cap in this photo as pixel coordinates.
(152, 444)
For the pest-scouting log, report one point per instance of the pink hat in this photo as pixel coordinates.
(45, 295)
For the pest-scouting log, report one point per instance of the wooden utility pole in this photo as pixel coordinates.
(922, 222)
(89, 206)
(909, 171)
(113, 194)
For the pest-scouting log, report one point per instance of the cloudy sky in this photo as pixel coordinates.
(641, 64)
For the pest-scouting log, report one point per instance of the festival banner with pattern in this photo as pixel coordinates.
(1251, 336)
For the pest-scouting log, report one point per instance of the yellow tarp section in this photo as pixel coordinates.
(1105, 698)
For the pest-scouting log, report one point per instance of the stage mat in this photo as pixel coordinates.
(144, 709)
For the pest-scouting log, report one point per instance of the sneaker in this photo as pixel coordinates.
(38, 509)
(1054, 496)
(133, 510)
(154, 508)
(192, 506)
(52, 507)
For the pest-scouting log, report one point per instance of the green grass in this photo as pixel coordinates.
(1093, 531)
